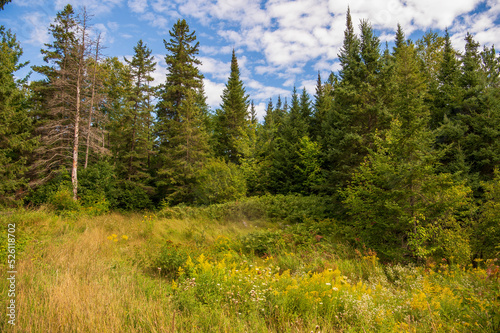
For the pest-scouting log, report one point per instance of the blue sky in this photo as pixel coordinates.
(279, 43)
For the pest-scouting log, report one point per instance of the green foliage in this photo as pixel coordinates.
(486, 234)
(127, 195)
(220, 182)
(62, 200)
(396, 196)
(276, 208)
(262, 243)
(309, 164)
(184, 154)
(16, 140)
(133, 123)
(96, 183)
(171, 257)
(181, 126)
(231, 119)
(42, 194)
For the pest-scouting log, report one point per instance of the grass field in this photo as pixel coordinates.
(144, 273)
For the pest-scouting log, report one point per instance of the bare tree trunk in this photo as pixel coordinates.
(76, 138)
(74, 169)
(92, 101)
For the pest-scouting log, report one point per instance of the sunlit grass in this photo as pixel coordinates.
(104, 274)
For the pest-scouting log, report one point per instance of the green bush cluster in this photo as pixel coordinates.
(277, 208)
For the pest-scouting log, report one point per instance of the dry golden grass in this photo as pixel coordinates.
(73, 278)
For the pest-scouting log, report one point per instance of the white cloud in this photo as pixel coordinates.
(138, 6)
(106, 37)
(259, 91)
(215, 50)
(35, 29)
(157, 21)
(310, 86)
(216, 68)
(260, 110)
(160, 74)
(213, 91)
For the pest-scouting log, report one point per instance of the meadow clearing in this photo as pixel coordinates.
(169, 272)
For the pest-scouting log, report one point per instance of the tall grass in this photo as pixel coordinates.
(109, 274)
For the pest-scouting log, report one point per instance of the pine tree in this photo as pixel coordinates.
(447, 99)
(479, 114)
(400, 40)
(358, 109)
(305, 113)
(490, 65)
(231, 120)
(181, 118)
(349, 55)
(138, 121)
(15, 125)
(186, 154)
(182, 75)
(323, 101)
(253, 114)
(282, 156)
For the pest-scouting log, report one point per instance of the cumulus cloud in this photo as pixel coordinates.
(35, 29)
(215, 68)
(213, 90)
(156, 20)
(138, 6)
(160, 73)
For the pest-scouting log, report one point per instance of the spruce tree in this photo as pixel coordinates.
(358, 109)
(231, 120)
(479, 114)
(323, 100)
(137, 122)
(15, 125)
(181, 127)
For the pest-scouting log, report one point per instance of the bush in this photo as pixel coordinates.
(220, 182)
(62, 200)
(486, 235)
(171, 257)
(264, 242)
(128, 195)
(279, 208)
(44, 193)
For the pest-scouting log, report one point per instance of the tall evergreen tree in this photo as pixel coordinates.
(181, 121)
(323, 101)
(479, 114)
(15, 125)
(137, 122)
(231, 120)
(358, 109)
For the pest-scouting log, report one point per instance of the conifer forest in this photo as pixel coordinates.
(371, 206)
